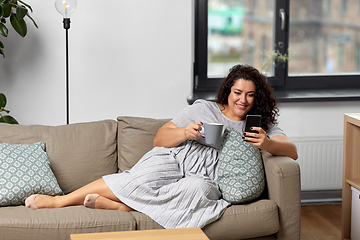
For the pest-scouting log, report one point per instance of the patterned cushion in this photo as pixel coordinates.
(240, 172)
(25, 170)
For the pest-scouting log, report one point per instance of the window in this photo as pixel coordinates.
(321, 45)
(357, 57)
(326, 6)
(343, 6)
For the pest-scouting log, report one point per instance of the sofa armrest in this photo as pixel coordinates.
(283, 181)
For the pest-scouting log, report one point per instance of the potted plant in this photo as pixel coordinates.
(272, 58)
(5, 118)
(16, 11)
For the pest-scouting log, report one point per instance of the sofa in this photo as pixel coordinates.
(83, 152)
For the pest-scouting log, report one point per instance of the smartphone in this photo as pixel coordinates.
(252, 121)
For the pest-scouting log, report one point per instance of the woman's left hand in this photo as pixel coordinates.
(257, 139)
(278, 145)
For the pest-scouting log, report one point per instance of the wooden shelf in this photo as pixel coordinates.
(354, 182)
(154, 234)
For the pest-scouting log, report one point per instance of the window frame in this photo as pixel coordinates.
(307, 87)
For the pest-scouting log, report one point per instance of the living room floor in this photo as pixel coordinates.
(321, 222)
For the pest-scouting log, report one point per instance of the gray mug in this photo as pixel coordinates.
(213, 132)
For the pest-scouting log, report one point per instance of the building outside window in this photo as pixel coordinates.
(320, 40)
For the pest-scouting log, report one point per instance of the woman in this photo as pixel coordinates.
(174, 183)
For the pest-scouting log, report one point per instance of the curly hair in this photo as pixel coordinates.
(265, 101)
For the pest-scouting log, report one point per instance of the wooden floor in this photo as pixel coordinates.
(321, 222)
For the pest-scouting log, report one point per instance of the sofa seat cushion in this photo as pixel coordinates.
(144, 222)
(79, 153)
(244, 221)
(44, 224)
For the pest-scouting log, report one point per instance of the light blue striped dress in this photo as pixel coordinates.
(176, 187)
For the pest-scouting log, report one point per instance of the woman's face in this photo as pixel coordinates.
(241, 99)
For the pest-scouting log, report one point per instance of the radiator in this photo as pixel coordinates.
(320, 161)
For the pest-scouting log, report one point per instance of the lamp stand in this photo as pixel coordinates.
(66, 27)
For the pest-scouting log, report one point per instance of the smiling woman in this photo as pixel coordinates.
(263, 102)
(244, 91)
(235, 100)
(241, 99)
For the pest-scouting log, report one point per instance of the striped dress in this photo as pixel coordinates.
(176, 187)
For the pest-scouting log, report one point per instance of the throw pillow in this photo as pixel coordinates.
(25, 170)
(241, 176)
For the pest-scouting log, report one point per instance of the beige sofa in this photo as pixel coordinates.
(83, 152)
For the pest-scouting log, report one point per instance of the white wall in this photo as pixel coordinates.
(315, 119)
(128, 57)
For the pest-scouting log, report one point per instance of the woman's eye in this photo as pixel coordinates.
(238, 93)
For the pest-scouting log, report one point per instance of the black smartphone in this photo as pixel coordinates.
(252, 121)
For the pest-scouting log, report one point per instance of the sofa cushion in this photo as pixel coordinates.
(25, 170)
(241, 173)
(144, 222)
(135, 138)
(260, 218)
(18, 223)
(79, 153)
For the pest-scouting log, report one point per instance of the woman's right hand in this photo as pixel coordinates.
(170, 135)
(192, 130)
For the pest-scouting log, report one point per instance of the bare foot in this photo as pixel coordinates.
(99, 202)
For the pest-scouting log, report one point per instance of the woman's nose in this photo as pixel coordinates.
(242, 98)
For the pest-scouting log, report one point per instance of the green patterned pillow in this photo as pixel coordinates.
(25, 170)
(240, 169)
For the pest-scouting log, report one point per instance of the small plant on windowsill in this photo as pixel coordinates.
(5, 118)
(275, 57)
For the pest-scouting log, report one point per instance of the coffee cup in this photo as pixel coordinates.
(213, 132)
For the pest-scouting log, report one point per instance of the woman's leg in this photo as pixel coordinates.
(96, 201)
(77, 197)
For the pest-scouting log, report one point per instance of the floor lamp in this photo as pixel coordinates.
(66, 8)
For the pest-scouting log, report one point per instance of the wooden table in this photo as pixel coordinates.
(351, 169)
(158, 234)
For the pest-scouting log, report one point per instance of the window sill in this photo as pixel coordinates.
(296, 95)
(318, 95)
